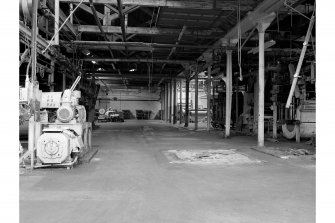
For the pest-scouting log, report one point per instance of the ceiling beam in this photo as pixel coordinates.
(178, 40)
(89, 10)
(134, 44)
(174, 48)
(150, 31)
(62, 16)
(126, 10)
(117, 76)
(247, 23)
(133, 60)
(130, 48)
(194, 4)
(123, 26)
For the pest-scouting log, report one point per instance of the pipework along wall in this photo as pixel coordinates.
(130, 99)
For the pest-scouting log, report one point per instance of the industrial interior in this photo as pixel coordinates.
(167, 110)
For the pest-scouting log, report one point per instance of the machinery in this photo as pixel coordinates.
(114, 115)
(69, 135)
(111, 115)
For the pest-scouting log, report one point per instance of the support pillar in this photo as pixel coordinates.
(196, 99)
(106, 19)
(162, 105)
(166, 103)
(181, 102)
(34, 117)
(170, 102)
(261, 89)
(255, 120)
(228, 92)
(187, 87)
(209, 85)
(262, 25)
(274, 117)
(236, 102)
(174, 101)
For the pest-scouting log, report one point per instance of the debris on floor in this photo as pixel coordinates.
(225, 157)
(284, 153)
(271, 140)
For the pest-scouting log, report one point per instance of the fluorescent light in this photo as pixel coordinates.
(86, 52)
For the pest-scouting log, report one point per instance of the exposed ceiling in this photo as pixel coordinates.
(151, 41)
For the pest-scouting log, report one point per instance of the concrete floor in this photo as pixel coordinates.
(130, 180)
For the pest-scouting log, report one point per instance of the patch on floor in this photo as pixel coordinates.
(204, 157)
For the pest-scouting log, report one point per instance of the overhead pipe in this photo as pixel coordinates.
(23, 56)
(301, 59)
(55, 38)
